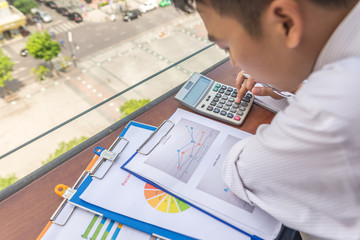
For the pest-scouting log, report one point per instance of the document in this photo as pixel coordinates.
(85, 225)
(123, 193)
(187, 162)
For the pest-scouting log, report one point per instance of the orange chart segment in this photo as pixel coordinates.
(163, 201)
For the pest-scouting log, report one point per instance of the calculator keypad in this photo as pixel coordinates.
(220, 103)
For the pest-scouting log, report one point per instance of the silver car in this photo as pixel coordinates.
(44, 16)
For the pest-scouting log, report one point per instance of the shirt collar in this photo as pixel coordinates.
(344, 42)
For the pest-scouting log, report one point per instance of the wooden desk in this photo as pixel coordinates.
(25, 213)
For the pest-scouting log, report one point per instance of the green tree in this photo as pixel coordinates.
(63, 147)
(132, 105)
(41, 46)
(25, 6)
(7, 181)
(6, 66)
(41, 72)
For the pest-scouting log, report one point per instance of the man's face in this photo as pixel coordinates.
(265, 58)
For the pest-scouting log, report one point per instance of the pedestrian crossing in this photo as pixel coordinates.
(64, 27)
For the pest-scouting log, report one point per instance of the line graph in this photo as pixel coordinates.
(185, 146)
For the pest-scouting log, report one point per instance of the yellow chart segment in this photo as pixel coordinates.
(163, 201)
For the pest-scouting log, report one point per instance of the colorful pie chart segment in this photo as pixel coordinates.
(163, 201)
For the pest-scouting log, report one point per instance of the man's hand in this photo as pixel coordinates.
(245, 83)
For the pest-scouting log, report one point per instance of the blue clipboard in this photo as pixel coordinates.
(131, 222)
(252, 237)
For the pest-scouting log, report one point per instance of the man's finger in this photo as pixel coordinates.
(265, 91)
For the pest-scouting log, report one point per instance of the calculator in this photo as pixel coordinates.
(213, 99)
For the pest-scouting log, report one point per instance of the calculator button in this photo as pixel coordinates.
(244, 104)
(228, 103)
(234, 94)
(220, 105)
(213, 103)
(246, 99)
(215, 89)
(221, 91)
(225, 97)
(202, 106)
(209, 108)
(208, 98)
(218, 85)
(235, 105)
(237, 118)
(230, 115)
(228, 93)
(249, 95)
(226, 108)
(235, 90)
(240, 113)
(216, 110)
(222, 101)
(223, 113)
(216, 99)
(242, 108)
(230, 89)
(218, 95)
(233, 110)
(231, 99)
(224, 87)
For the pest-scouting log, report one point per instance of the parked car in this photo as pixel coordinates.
(23, 31)
(165, 3)
(131, 14)
(51, 4)
(63, 11)
(43, 16)
(148, 5)
(24, 52)
(75, 17)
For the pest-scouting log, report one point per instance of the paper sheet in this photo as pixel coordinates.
(85, 225)
(123, 193)
(188, 163)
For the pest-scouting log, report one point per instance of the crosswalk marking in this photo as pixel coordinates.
(66, 26)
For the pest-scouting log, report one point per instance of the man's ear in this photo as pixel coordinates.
(288, 20)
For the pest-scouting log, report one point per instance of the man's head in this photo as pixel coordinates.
(276, 41)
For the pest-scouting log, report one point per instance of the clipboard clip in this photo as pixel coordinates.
(107, 157)
(156, 137)
(65, 209)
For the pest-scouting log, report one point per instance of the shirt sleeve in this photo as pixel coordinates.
(297, 169)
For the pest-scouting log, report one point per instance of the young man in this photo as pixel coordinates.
(303, 168)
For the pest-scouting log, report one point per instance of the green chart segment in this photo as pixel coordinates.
(163, 201)
(98, 226)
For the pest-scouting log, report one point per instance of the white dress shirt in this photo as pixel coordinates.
(304, 168)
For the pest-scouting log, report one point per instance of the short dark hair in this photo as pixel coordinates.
(248, 12)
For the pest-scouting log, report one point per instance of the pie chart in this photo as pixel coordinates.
(163, 201)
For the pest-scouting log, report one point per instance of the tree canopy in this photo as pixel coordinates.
(63, 147)
(41, 46)
(132, 105)
(6, 66)
(25, 6)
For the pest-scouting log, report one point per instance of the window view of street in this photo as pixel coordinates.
(60, 58)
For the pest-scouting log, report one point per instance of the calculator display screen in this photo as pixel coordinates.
(196, 92)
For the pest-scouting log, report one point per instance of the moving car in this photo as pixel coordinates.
(75, 17)
(165, 3)
(24, 52)
(23, 31)
(51, 4)
(63, 11)
(148, 5)
(130, 15)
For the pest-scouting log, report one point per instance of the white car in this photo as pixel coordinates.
(44, 16)
(148, 5)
